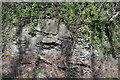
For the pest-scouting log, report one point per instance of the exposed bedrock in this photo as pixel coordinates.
(48, 39)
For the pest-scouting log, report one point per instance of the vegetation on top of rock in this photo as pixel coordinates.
(89, 20)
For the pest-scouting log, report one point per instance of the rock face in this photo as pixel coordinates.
(11, 48)
(51, 26)
(63, 32)
(41, 24)
(48, 40)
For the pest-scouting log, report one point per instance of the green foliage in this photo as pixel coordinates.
(89, 20)
(38, 72)
(32, 30)
(107, 76)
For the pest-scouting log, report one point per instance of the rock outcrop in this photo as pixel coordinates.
(48, 39)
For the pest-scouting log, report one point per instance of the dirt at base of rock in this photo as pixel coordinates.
(28, 68)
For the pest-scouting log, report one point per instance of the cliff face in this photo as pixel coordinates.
(47, 39)
(60, 55)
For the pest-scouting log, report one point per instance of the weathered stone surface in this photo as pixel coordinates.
(95, 53)
(50, 52)
(12, 49)
(49, 40)
(35, 42)
(51, 26)
(84, 52)
(63, 32)
(48, 46)
(13, 32)
(25, 31)
(57, 48)
(41, 24)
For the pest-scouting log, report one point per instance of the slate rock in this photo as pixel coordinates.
(49, 39)
(34, 42)
(48, 46)
(12, 49)
(96, 53)
(50, 52)
(51, 26)
(13, 32)
(41, 24)
(63, 32)
(25, 31)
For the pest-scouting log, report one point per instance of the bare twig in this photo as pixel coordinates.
(45, 60)
(115, 15)
(64, 68)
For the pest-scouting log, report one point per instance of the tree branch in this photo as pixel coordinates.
(115, 15)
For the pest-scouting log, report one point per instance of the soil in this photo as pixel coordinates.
(30, 66)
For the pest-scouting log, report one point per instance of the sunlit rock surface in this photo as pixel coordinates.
(48, 39)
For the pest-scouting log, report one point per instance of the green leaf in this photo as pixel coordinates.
(38, 72)
(50, 10)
